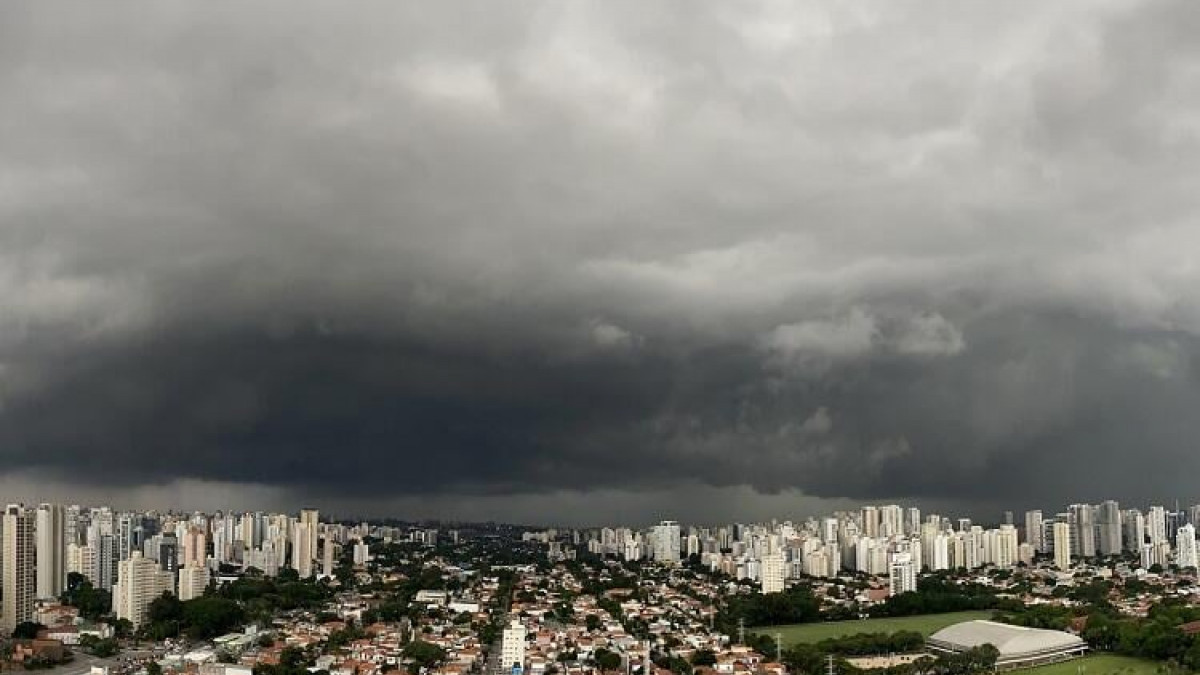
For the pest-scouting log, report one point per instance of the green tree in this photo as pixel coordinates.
(207, 617)
(424, 654)
(91, 602)
(606, 659)
(27, 630)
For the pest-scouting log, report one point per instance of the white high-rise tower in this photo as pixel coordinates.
(1185, 547)
(51, 545)
(20, 575)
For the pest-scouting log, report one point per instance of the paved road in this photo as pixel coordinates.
(492, 667)
(81, 665)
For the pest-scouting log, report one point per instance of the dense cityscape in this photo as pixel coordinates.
(107, 591)
(599, 337)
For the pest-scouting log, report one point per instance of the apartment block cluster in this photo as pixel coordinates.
(139, 556)
(1158, 536)
(878, 540)
(898, 543)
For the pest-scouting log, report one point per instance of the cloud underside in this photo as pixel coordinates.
(553, 250)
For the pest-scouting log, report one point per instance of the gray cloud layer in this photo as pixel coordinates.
(482, 255)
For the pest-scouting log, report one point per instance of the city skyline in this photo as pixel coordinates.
(136, 559)
(598, 262)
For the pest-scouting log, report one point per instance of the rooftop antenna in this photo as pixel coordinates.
(742, 631)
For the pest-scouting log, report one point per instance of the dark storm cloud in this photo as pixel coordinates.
(560, 253)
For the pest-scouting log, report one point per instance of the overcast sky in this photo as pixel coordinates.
(577, 262)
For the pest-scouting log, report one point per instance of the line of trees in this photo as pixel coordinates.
(938, 594)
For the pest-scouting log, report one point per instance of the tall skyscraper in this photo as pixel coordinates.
(81, 559)
(1006, 547)
(1185, 538)
(107, 558)
(1156, 525)
(328, 556)
(1033, 531)
(1062, 545)
(305, 551)
(19, 574)
(1133, 524)
(1109, 523)
(50, 536)
(1084, 532)
(665, 541)
(74, 524)
(891, 521)
(301, 562)
(912, 520)
(773, 572)
(870, 521)
(124, 533)
(194, 547)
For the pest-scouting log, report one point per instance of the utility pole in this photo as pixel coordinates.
(829, 665)
(742, 631)
(779, 648)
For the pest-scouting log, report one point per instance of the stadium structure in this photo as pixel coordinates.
(1019, 647)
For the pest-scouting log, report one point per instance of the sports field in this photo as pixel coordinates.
(1101, 664)
(815, 632)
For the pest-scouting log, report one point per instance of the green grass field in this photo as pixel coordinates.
(797, 633)
(1101, 664)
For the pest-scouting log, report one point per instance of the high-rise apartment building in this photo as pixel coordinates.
(301, 562)
(902, 574)
(1185, 546)
(912, 520)
(1156, 525)
(665, 541)
(1062, 545)
(328, 556)
(773, 572)
(362, 551)
(1083, 534)
(139, 582)
(195, 544)
(891, 521)
(50, 537)
(1006, 547)
(81, 559)
(1133, 525)
(106, 561)
(1109, 527)
(1033, 531)
(869, 516)
(304, 546)
(192, 582)
(19, 575)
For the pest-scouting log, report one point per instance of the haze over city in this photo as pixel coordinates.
(601, 262)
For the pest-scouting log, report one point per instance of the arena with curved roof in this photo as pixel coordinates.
(1019, 647)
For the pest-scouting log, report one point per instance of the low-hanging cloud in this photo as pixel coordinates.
(445, 253)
